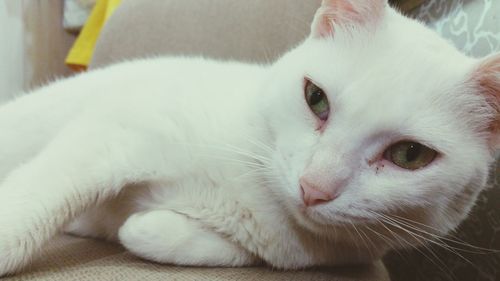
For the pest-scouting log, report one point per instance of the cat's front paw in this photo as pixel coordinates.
(166, 237)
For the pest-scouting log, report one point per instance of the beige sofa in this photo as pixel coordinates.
(70, 258)
(258, 30)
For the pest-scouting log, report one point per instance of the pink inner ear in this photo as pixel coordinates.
(344, 12)
(332, 12)
(487, 76)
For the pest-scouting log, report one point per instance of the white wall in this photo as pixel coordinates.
(33, 44)
(11, 48)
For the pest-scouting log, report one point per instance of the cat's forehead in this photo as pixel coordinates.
(399, 47)
(401, 60)
(392, 78)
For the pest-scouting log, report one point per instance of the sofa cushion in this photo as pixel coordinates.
(69, 258)
(256, 31)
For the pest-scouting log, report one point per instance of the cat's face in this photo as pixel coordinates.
(376, 122)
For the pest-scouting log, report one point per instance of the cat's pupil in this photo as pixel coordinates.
(316, 97)
(413, 152)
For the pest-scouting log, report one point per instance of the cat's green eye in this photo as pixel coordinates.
(410, 155)
(317, 101)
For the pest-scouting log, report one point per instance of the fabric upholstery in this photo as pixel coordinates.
(69, 258)
(256, 30)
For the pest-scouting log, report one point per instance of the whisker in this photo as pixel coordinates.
(369, 241)
(248, 154)
(415, 235)
(399, 237)
(231, 148)
(361, 237)
(353, 242)
(259, 171)
(238, 161)
(437, 237)
(260, 144)
(389, 242)
(383, 237)
(457, 241)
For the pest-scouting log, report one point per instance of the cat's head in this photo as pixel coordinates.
(377, 122)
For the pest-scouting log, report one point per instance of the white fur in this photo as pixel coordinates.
(197, 162)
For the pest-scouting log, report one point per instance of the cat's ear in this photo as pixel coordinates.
(337, 13)
(487, 80)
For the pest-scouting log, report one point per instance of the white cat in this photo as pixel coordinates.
(371, 126)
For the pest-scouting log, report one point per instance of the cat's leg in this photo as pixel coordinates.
(86, 164)
(167, 237)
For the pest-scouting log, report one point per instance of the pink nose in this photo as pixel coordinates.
(313, 196)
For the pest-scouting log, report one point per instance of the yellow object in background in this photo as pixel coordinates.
(81, 53)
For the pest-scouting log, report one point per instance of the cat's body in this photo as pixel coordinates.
(210, 138)
(199, 162)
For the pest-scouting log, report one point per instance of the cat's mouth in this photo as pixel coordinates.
(316, 217)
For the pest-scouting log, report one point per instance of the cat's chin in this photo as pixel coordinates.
(317, 222)
(313, 221)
